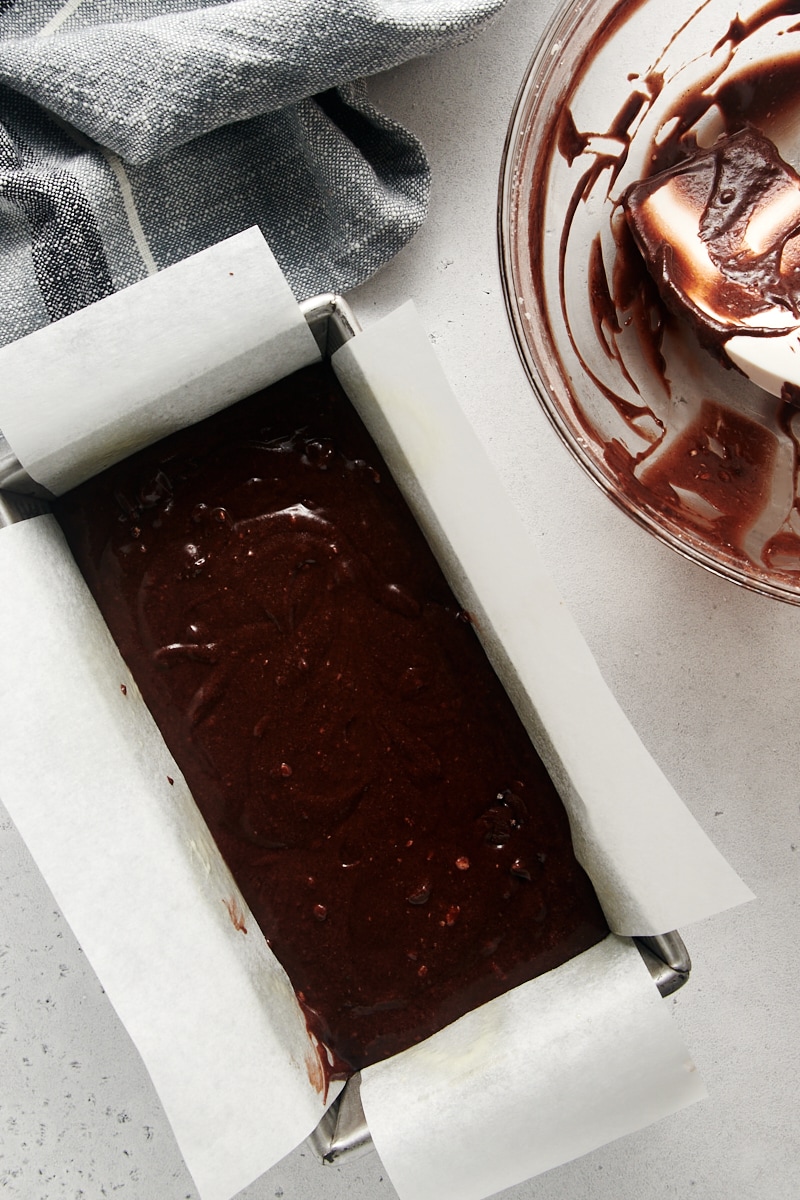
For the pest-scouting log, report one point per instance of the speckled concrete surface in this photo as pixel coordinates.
(706, 672)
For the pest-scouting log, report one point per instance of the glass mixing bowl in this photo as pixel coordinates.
(690, 449)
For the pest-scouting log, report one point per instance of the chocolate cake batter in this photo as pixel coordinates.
(359, 765)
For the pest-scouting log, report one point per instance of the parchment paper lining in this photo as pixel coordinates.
(107, 817)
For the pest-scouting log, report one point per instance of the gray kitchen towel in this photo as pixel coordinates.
(133, 134)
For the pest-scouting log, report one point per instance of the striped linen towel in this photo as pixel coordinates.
(133, 134)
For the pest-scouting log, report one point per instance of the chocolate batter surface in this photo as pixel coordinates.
(359, 765)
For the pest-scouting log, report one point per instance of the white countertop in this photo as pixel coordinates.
(706, 672)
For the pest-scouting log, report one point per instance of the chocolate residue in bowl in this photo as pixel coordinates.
(654, 384)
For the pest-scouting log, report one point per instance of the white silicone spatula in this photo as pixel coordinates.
(720, 233)
(771, 362)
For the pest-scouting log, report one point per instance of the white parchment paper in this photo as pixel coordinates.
(107, 815)
(549, 1071)
(93, 388)
(86, 777)
(653, 867)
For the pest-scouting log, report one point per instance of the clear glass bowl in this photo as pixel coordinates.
(693, 451)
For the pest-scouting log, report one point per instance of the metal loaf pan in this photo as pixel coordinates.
(343, 1132)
